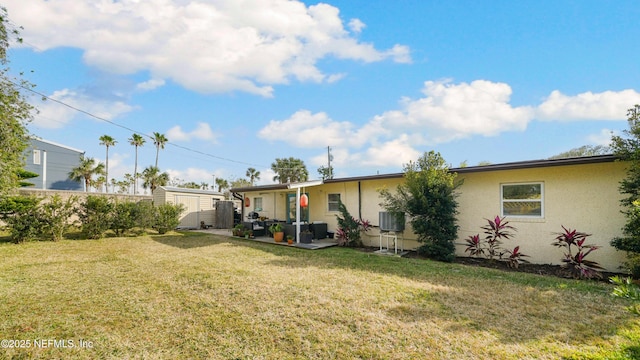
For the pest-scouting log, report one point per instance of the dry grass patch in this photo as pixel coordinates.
(202, 296)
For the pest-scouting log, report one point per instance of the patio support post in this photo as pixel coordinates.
(298, 215)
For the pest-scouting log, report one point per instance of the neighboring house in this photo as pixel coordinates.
(199, 205)
(579, 193)
(53, 163)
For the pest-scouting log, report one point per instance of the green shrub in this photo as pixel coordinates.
(349, 228)
(144, 215)
(55, 216)
(20, 214)
(627, 148)
(428, 197)
(626, 289)
(123, 218)
(168, 217)
(95, 214)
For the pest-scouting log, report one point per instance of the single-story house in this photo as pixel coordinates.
(199, 205)
(53, 163)
(536, 197)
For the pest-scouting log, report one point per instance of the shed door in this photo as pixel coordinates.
(190, 217)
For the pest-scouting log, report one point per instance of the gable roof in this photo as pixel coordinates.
(35, 139)
(460, 170)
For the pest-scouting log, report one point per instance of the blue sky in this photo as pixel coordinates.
(235, 84)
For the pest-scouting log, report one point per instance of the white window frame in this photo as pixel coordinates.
(541, 200)
(257, 208)
(329, 202)
(37, 155)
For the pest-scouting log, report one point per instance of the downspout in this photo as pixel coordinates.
(359, 201)
(44, 169)
(298, 215)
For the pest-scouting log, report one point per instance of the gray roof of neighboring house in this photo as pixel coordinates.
(35, 138)
(470, 169)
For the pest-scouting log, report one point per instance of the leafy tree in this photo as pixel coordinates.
(107, 141)
(586, 150)
(86, 170)
(628, 149)
(428, 196)
(137, 141)
(153, 178)
(15, 112)
(159, 140)
(325, 172)
(23, 175)
(289, 170)
(190, 185)
(253, 175)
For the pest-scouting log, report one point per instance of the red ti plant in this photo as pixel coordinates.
(573, 240)
(496, 230)
(515, 257)
(474, 246)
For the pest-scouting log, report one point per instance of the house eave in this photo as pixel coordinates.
(529, 164)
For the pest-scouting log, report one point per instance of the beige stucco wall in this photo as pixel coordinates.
(583, 197)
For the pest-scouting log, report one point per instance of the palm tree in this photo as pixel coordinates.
(85, 171)
(136, 140)
(99, 181)
(289, 170)
(153, 178)
(159, 140)
(253, 175)
(222, 184)
(107, 141)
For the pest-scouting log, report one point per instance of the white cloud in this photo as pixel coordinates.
(335, 77)
(445, 113)
(221, 46)
(356, 25)
(602, 138)
(391, 153)
(400, 54)
(307, 130)
(608, 105)
(150, 84)
(54, 114)
(196, 175)
(453, 111)
(202, 132)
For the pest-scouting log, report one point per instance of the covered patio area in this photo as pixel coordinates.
(316, 244)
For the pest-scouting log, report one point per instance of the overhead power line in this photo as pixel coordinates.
(127, 128)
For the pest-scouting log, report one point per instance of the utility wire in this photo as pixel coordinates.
(125, 127)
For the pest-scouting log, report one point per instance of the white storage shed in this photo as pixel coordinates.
(199, 204)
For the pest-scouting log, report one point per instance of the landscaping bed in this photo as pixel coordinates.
(539, 269)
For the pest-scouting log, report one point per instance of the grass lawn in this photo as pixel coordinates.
(196, 295)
